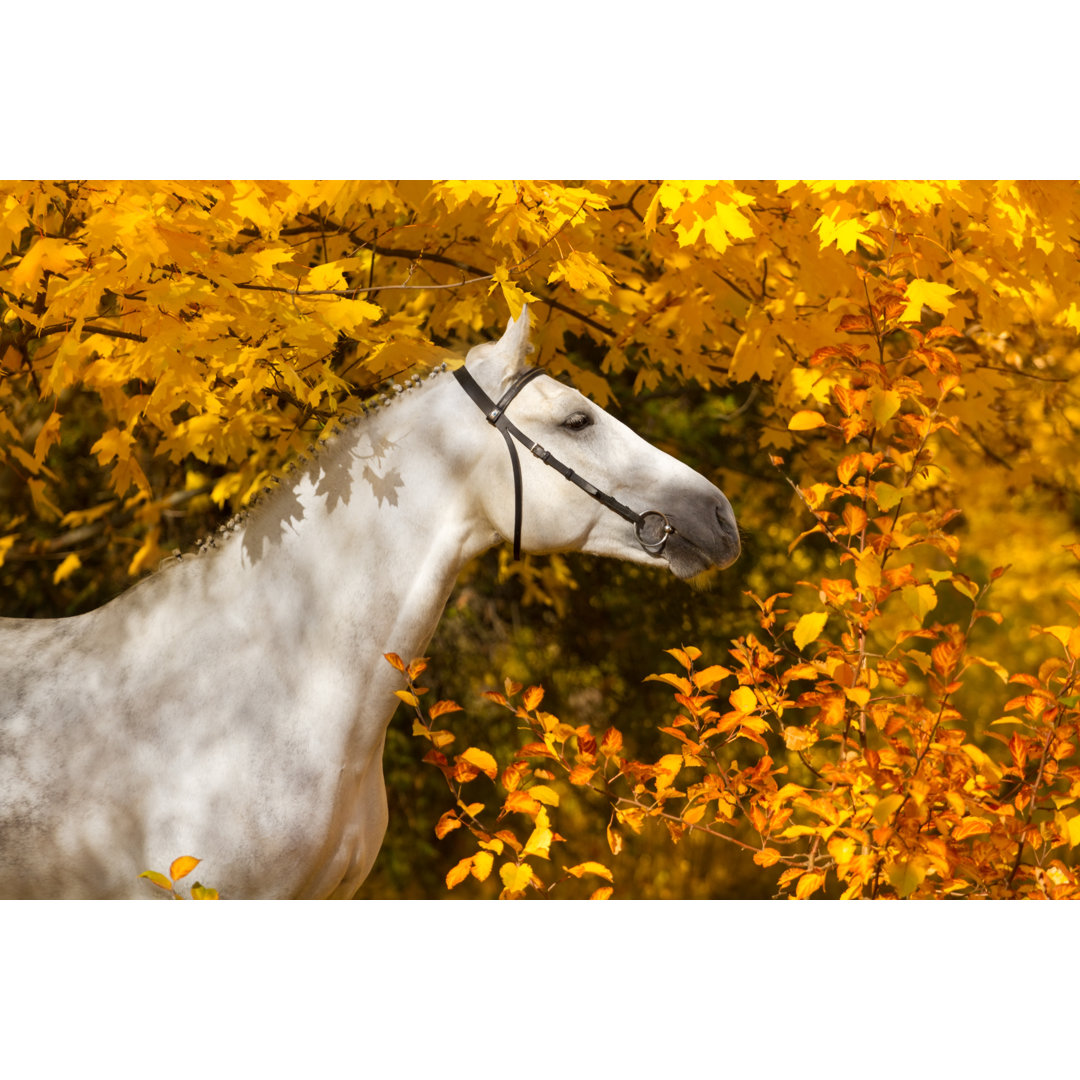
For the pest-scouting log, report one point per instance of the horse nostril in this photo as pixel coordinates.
(725, 518)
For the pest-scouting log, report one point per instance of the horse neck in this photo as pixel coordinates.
(369, 536)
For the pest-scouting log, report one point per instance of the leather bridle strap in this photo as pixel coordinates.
(496, 415)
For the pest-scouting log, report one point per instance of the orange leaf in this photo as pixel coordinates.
(971, 826)
(459, 872)
(767, 857)
(182, 867)
(809, 884)
(440, 708)
(614, 840)
(447, 824)
(581, 774)
(521, 802)
(603, 893)
(533, 696)
(395, 660)
(611, 743)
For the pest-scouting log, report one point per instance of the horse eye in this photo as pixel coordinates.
(577, 421)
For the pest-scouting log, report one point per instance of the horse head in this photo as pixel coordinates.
(627, 499)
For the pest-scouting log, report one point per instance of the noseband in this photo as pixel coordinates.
(496, 416)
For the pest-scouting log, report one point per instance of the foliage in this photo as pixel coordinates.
(842, 758)
(180, 868)
(887, 368)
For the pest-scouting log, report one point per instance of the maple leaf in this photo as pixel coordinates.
(935, 295)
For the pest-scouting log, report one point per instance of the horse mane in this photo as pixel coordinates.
(308, 461)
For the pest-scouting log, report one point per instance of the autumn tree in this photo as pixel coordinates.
(882, 376)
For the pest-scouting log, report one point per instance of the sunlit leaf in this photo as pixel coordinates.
(182, 866)
(459, 873)
(809, 884)
(515, 876)
(482, 760)
(160, 880)
(806, 420)
(809, 627)
(589, 868)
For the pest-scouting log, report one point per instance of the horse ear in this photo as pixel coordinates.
(514, 346)
(510, 352)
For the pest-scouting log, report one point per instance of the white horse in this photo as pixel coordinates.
(234, 704)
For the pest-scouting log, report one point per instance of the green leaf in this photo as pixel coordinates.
(906, 876)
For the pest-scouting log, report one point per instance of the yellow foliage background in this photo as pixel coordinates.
(167, 347)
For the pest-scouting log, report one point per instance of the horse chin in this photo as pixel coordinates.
(697, 565)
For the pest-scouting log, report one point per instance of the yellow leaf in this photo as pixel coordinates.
(482, 760)
(201, 892)
(868, 570)
(842, 849)
(767, 857)
(182, 867)
(482, 862)
(710, 676)
(515, 876)
(542, 793)
(743, 699)
(860, 695)
(922, 599)
(934, 295)
(540, 840)
(806, 420)
(809, 627)
(884, 404)
(886, 807)
(160, 880)
(68, 567)
(408, 697)
(1073, 831)
(589, 868)
(603, 893)
(669, 766)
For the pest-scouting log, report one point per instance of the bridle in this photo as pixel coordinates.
(496, 416)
